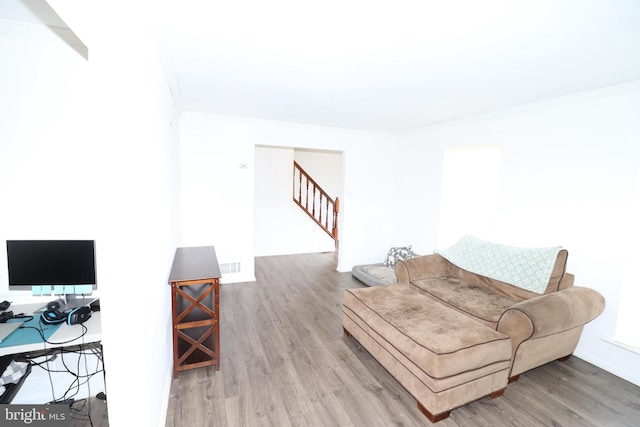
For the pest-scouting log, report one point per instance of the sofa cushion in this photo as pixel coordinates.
(471, 299)
(440, 341)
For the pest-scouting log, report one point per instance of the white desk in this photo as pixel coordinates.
(39, 386)
(71, 333)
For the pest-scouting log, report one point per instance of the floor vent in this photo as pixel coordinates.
(230, 267)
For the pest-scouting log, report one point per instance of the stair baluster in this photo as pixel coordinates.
(326, 218)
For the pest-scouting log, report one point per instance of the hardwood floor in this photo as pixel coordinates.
(285, 362)
(94, 407)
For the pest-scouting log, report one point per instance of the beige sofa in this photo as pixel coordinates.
(451, 336)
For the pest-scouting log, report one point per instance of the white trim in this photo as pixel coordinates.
(612, 90)
(24, 30)
(622, 345)
(164, 408)
(237, 278)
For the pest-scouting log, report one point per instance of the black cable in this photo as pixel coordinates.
(50, 355)
(53, 391)
(86, 369)
(66, 370)
(75, 384)
(41, 332)
(79, 379)
(30, 360)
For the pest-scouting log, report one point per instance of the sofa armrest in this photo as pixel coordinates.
(550, 314)
(421, 267)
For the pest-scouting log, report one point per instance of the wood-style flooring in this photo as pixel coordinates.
(285, 362)
(89, 413)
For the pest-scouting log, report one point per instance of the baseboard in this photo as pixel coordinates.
(164, 408)
(614, 359)
(237, 278)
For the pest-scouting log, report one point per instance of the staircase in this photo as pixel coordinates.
(315, 201)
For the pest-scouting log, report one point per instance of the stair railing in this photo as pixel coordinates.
(315, 201)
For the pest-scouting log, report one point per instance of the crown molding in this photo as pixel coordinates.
(29, 31)
(590, 94)
(25, 30)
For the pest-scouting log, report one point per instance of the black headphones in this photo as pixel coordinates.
(79, 315)
(53, 316)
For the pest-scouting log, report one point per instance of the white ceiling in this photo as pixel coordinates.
(390, 65)
(29, 11)
(394, 65)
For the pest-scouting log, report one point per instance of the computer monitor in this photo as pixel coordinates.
(61, 266)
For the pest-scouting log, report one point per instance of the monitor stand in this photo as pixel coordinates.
(69, 302)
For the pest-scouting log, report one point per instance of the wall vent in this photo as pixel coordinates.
(230, 267)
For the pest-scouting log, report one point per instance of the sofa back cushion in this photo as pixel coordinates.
(558, 281)
(536, 271)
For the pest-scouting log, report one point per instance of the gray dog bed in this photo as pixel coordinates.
(374, 274)
(383, 273)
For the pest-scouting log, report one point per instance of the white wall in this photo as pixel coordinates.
(218, 196)
(46, 167)
(88, 149)
(217, 193)
(47, 179)
(568, 177)
(325, 167)
(281, 227)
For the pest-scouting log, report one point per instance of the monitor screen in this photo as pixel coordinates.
(50, 262)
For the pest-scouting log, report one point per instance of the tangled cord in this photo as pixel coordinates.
(77, 407)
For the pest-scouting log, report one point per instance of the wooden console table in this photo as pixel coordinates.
(195, 303)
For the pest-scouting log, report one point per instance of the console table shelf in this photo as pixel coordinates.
(195, 303)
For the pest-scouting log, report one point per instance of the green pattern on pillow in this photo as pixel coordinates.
(527, 268)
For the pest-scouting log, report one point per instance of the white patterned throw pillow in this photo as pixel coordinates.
(397, 254)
